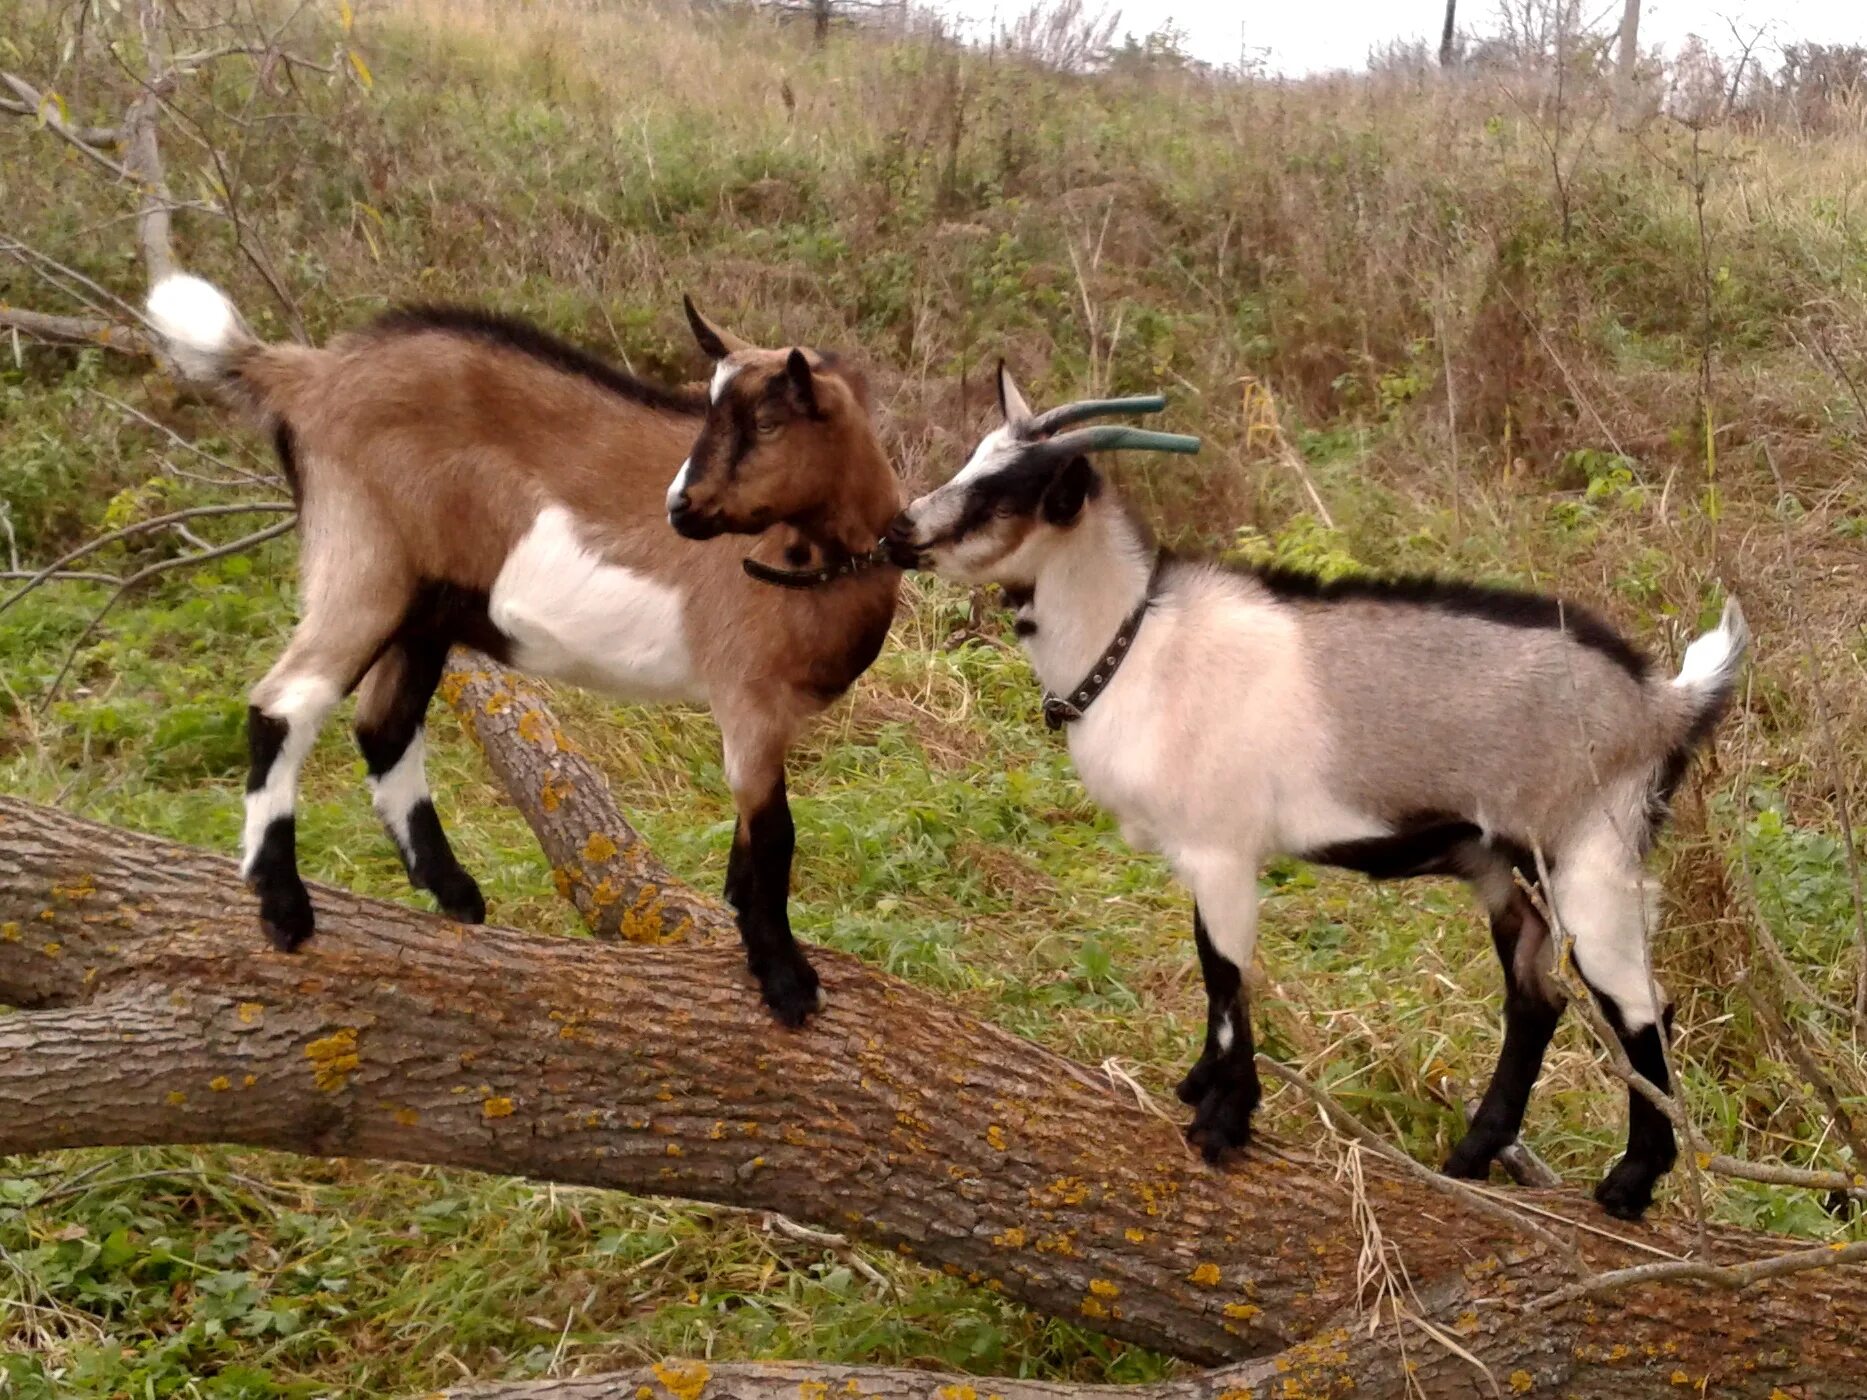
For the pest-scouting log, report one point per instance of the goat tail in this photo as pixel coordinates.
(1709, 669)
(1707, 676)
(211, 345)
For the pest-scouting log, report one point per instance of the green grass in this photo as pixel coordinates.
(1342, 244)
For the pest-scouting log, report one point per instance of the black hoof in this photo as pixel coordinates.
(791, 989)
(1627, 1190)
(1222, 1125)
(1471, 1159)
(285, 914)
(1198, 1082)
(459, 896)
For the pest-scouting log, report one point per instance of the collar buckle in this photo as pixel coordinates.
(1059, 712)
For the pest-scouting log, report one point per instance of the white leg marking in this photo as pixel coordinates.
(397, 792)
(574, 616)
(302, 705)
(1226, 1033)
(1604, 900)
(1227, 890)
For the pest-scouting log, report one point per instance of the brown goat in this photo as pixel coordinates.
(463, 478)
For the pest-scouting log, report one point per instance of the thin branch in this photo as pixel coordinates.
(155, 522)
(1735, 1277)
(56, 124)
(183, 561)
(74, 330)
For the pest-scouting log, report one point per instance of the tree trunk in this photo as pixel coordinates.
(154, 1014)
(1628, 58)
(1446, 35)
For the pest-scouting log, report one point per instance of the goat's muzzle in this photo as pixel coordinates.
(692, 524)
(898, 543)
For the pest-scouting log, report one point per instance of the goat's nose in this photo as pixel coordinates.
(899, 542)
(677, 489)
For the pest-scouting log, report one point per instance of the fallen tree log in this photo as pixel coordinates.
(152, 1013)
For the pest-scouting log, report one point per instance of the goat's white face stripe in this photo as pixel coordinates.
(574, 616)
(723, 374)
(302, 706)
(996, 449)
(679, 488)
(398, 792)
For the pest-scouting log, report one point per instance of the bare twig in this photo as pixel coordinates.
(74, 330)
(245, 542)
(155, 522)
(1733, 1276)
(47, 114)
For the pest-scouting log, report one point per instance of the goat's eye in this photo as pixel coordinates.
(770, 427)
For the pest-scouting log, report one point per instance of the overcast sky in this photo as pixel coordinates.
(1307, 36)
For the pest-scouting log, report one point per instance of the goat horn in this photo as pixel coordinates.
(1052, 419)
(1111, 437)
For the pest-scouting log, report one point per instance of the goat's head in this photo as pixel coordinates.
(1027, 481)
(782, 431)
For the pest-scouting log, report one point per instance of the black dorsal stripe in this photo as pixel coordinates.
(509, 333)
(1509, 607)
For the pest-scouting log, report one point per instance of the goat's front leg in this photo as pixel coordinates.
(1223, 1084)
(758, 873)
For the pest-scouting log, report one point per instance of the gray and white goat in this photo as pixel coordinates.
(1397, 727)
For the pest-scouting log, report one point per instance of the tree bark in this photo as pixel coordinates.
(1447, 34)
(153, 1013)
(598, 862)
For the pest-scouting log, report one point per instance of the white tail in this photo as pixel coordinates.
(199, 325)
(1710, 663)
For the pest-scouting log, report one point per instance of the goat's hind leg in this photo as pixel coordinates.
(350, 613)
(286, 711)
(391, 706)
(1532, 1007)
(1604, 899)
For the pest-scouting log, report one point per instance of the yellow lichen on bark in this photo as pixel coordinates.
(333, 1057)
(497, 1107)
(683, 1380)
(1206, 1275)
(598, 848)
(534, 728)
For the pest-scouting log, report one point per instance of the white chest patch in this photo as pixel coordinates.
(574, 616)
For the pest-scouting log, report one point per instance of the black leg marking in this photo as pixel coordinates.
(433, 867)
(284, 902)
(1627, 1190)
(265, 737)
(271, 868)
(758, 886)
(1529, 1022)
(385, 740)
(1223, 1083)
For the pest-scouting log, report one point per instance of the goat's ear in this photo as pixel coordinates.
(1068, 491)
(802, 386)
(715, 343)
(1010, 402)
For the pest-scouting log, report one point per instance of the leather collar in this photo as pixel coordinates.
(1062, 710)
(841, 564)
